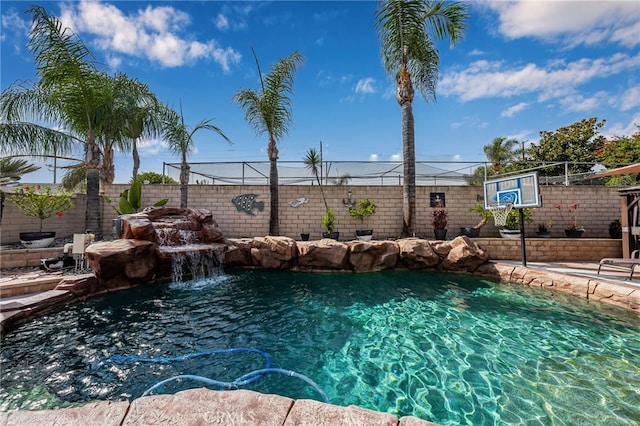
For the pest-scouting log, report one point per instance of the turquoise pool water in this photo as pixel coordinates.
(452, 349)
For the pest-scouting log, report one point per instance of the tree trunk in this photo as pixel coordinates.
(108, 172)
(184, 183)
(93, 218)
(136, 160)
(93, 211)
(274, 215)
(405, 99)
(409, 184)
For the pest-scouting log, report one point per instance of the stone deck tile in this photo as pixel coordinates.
(92, 414)
(207, 407)
(307, 412)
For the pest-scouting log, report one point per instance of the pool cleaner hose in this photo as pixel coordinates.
(243, 380)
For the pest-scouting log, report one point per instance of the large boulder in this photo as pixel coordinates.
(465, 255)
(416, 253)
(238, 252)
(373, 256)
(138, 227)
(121, 263)
(325, 254)
(273, 252)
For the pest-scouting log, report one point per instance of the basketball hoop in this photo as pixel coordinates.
(500, 213)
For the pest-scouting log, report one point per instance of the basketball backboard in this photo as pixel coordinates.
(521, 191)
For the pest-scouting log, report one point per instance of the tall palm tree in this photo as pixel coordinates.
(269, 110)
(179, 137)
(499, 151)
(73, 98)
(407, 30)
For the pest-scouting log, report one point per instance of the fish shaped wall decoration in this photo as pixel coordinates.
(298, 202)
(247, 203)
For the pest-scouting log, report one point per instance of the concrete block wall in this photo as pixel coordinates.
(598, 206)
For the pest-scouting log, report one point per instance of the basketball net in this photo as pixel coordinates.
(500, 213)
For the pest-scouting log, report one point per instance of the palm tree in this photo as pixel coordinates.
(312, 163)
(11, 171)
(179, 137)
(499, 151)
(73, 97)
(269, 110)
(407, 29)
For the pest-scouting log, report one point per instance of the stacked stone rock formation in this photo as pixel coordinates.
(150, 239)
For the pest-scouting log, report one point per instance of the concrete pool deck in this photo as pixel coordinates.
(242, 407)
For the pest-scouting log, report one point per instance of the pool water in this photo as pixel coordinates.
(451, 349)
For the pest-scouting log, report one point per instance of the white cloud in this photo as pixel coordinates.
(365, 86)
(373, 157)
(514, 109)
(483, 79)
(16, 27)
(630, 99)
(221, 22)
(395, 157)
(326, 78)
(571, 22)
(150, 146)
(623, 129)
(155, 33)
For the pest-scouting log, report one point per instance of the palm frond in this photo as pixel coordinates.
(34, 139)
(407, 30)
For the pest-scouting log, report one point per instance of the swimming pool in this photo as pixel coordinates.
(452, 349)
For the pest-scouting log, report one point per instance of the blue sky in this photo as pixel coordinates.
(523, 67)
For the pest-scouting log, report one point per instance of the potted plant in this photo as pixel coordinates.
(328, 222)
(544, 229)
(312, 163)
(615, 229)
(439, 221)
(572, 230)
(362, 210)
(304, 236)
(42, 203)
(474, 231)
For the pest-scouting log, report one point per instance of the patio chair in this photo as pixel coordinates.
(632, 263)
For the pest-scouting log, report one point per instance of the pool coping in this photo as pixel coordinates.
(205, 406)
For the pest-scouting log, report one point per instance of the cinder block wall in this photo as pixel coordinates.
(598, 206)
(552, 250)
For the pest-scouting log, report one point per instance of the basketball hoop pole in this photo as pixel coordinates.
(522, 239)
